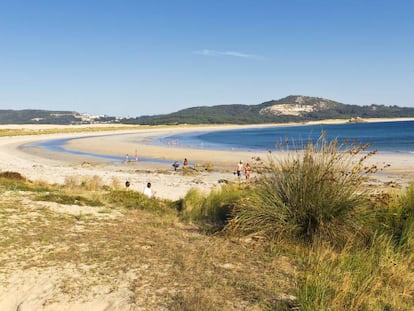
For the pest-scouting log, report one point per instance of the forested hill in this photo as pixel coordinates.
(288, 109)
(33, 116)
(37, 116)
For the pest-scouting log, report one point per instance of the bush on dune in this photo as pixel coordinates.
(15, 181)
(311, 194)
(213, 209)
(136, 200)
(396, 219)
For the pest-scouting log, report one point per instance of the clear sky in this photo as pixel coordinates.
(145, 57)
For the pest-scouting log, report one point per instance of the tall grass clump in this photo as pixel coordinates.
(16, 182)
(397, 220)
(136, 200)
(311, 193)
(212, 209)
(374, 278)
(92, 183)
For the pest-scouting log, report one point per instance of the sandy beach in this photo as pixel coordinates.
(39, 164)
(40, 288)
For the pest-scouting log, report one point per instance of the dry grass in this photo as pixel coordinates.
(172, 265)
(140, 246)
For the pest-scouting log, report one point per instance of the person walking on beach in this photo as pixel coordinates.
(239, 169)
(148, 191)
(247, 169)
(185, 163)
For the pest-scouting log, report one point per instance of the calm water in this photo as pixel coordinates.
(382, 136)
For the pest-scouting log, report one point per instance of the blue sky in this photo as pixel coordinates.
(132, 57)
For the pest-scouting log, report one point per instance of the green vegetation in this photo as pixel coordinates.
(396, 217)
(250, 114)
(15, 181)
(306, 235)
(36, 116)
(372, 278)
(351, 252)
(311, 194)
(212, 210)
(67, 199)
(137, 200)
(223, 114)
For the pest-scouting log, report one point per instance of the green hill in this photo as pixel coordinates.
(288, 109)
(30, 116)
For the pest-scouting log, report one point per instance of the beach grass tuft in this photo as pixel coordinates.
(213, 209)
(312, 194)
(396, 219)
(136, 200)
(372, 278)
(16, 181)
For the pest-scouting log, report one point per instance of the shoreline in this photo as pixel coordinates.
(39, 164)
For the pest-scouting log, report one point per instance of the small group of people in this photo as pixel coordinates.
(135, 157)
(147, 190)
(177, 165)
(243, 169)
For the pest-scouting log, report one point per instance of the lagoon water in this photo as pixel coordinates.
(392, 137)
(386, 137)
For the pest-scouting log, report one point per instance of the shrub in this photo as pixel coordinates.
(116, 183)
(403, 227)
(311, 193)
(215, 208)
(397, 219)
(12, 176)
(136, 200)
(92, 183)
(71, 182)
(192, 204)
(16, 181)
